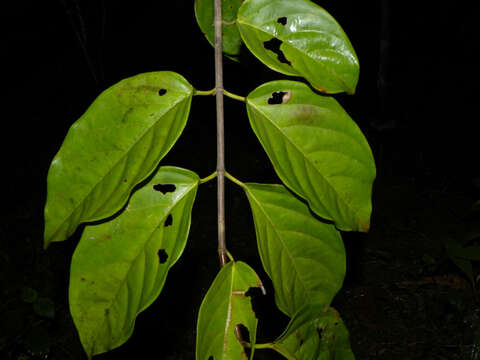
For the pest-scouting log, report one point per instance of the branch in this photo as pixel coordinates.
(220, 133)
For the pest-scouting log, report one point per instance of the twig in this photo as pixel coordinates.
(220, 133)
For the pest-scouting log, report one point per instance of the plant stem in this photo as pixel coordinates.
(208, 178)
(235, 180)
(234, 96)
(205, 92)
(220, 133)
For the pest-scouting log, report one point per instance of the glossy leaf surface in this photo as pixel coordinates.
(315, 333)
(225, 306)
(298, 37)
(316, 149)
(114, 146)
(119, 267)
(231, 40)
(303, 256)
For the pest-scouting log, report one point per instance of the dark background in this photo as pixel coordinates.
(414, 102)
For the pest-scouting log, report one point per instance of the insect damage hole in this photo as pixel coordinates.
(162, 256)
(282, 20)
(258, 300)
(162, 92)
(274, 45)
(168, 220)
(279, 97)
(164, 188)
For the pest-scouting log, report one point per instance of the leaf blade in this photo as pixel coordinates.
(307, 41)
(231, 40)
(304, 257)
(315, 332)
(224, 307)
(120, 267)
(316, 150)
(115, 145)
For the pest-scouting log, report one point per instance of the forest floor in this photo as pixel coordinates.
(403, 298)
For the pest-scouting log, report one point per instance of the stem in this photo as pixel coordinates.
(208, 178)
(276, 348)
(235, 180)
(205, 92)
(220, 133)
(234, 96)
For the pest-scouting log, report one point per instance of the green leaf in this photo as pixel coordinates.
(299, 38)
(119, 267)
(316, 149)
(115, 145)
(303, 256)
(315, 332)
(231, 40)
(226, 306)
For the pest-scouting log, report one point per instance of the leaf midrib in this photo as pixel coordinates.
(321, 64)
(355, 212)
(281, 239)
(111, 169)
(142, 248)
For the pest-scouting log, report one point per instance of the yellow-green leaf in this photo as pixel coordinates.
(299, 38)
(304, 257)
(315, 332)
(317, 150)
(115, 145)
(226, 306)
(119, 267)
(231, 41)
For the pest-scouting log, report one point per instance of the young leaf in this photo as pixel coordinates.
(303, 256)
(119, 267)
(315, 332)
(224, 308)
(231, 41)
(298, 37)
(316, 150)
(115, 145)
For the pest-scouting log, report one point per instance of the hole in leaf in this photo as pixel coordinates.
(279, 97)
(243, 336)
(162, 256)
(256, 297)
(162, 92)
(164, 188)
(210, 358)
(282, 20)
(274, 45)
(169, 220)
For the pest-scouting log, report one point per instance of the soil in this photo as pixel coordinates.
(402, 298)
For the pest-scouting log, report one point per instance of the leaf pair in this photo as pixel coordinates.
(305, 259)
(119, 266)
(293, 37)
